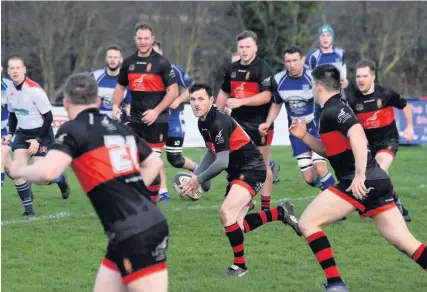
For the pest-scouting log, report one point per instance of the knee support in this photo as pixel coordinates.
(317, 158)
(304, 162)
(176, 159)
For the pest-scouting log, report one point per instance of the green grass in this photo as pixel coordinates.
(62, 251)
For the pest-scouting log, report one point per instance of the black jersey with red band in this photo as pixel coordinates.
(147, 79)
(243, 81)
(375, 113)
(222, 133)
(106, 157)
(335, 121)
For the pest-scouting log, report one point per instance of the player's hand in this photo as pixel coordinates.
(298, 128)
(358, 187)
(175, 104)
(233, 103)
(34, 146)
(190, 186)
(263, 129)
(6, 139)
(150, 116)
(116, 113)
(344, 83)
(408, 134)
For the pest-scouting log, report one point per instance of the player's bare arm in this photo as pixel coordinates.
(299, 130)
(359, 146)
(408, 133)
(150, 116)
(184, 97)
(221, 100)
(43, 170)
(256, 100)
(118, 94)
(272, 115)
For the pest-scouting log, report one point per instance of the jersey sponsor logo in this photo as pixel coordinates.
(369, 100)
(244, 89)
(21, 111)
(233, 74)
(359, 107)
(172, 74)
(131, 67)
(343, 116)
(369, 189)
(219, 138)
(159, 252)
(266, 81)
(145, 82)
(377, 119)
(60, 139)
(306, 87)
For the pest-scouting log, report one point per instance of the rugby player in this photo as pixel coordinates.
(292, 87)
(246, 90)
(153, 87)
(373, 106)
(363, 185)
(31, 111)
(113, 166)
(231, 149)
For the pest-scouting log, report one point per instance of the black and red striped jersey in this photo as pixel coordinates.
(243, 81)
(106, 157)
(222, 133)
(147, 79)
(335, 121)
(375, 113)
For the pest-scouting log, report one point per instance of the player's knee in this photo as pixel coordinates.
(226, 216)
(176, 159)
(320, 166)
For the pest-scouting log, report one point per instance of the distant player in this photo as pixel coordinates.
(30, 109)
(113, 166)
(363, 185)
(232, 150)
(373, 106)
(246, 90)
(5, 149)
(292, 87)
(153, 87)
(275, 167)
(176, 133)
(107, 81)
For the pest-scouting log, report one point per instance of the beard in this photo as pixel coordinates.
(114, 68)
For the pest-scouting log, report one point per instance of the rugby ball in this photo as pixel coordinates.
(181, 178)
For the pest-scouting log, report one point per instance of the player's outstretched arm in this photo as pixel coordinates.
(150, 168)
(43, 170)
(217, 166)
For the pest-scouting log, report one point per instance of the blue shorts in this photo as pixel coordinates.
(4, 132)
(176, 124)
(298, 145)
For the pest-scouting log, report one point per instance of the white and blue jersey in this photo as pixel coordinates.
(106, 85)
(176, 116)
(337, 58)
(5, 83)
(296, 94)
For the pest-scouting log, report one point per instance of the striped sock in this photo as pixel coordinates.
(24, 192)
(255, 220)
(420, 256)
(327, 181)
(235, 236)
(154, 189)
(322, 249)
(265, 202)
(3, 176)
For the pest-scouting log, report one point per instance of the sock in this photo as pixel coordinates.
(154, 189)
(24, 192)
(317, 183)
(321, 248)
(255, 220)
(59, 180)
(163, 193)
(265, 202)
(235, 236)
(3, 176)
(271, 163)
(420, 256)
(327, 181)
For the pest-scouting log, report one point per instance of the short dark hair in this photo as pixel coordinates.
(292, 50)
(200, 85)
(114, 47)
(246, 34)
(142, 25)
(328, 75)
(157, 43)
(16, 57)
(367, 63)
(81, 89)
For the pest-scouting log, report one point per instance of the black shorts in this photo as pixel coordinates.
(389, 147)
(252, 180)
(254, 134)
(155, 135)
(378, 200)
(20, 142)
(139, 255)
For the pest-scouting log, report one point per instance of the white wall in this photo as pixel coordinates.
(192, 135)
